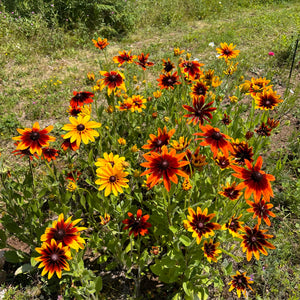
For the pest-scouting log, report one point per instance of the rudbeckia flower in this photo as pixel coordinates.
(111, 179)
(192, 68)
(156, 142)
(25, 152)
(211, 251)
(143, 61)
(263, 130)
(168, 66)
(267, 100)
(168, 81)
(241, 152)
(233, 226)
(105, 220)
(138, 103)
(138, 225)
(196, 161)
(199, 223)
(110, 159)
(200, 111)
(81, 129)
(178, 52)
(261, 210)
(227, 51)
(124, 57)
(231, 192)
(49, 153)
(199, 89)
(53, 258)
(112, 80)
(215, 139)
(166, 165)
(210, 79)
(256, 86)
(256, 181)
(81, 98)
(68, 145)
(34, 138)
(65, 232)
(100, 43)
(240, 282)
(254, 240)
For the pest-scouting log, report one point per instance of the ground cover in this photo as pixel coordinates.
(38, 87)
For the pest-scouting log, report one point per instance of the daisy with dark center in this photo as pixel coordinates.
(249, 134)
(210, 79)
(110, 159)
(138, 225)
(81, 98)
(25, 152)
(143, 61)
(68, 145)
(241, 152)
(168, 66)
(230, 191)
(53, 258)
(256, 86)
(200, 111)
(267, 100)
(254, 240)
(166, 165)
(74, 111)
(226, 120)
(192, 68)
(34, 138)
(73, 176)
(81, 129)
(65, 232)
(124, 57)
(196, 161)
(261, 210)
(112, 80)
(111, 179)
(181, 144)
(272, 123)
(168, 81)
(138, 103)
(100, 43)
(240, 282)
(256, 181)
(263, 130)
(233, 226)
(49, 153)
(156, 142)
(199, 89)
(211, 251)
(215, 139)
(227, 51)
(199, 223)
(223, 161)
(125, 105)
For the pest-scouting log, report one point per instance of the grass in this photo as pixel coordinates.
(40, 68)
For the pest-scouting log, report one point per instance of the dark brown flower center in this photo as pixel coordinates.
(253, 239)
(164, 164)
(34, 135)
(59, 234)
(200, 225)
(159, 143)
(112, 178)
(257, 176)
(240, 280)
(80, 127)
(54, 257)
(226, 51)
(267, 102)
(232, 224)
(216, 135)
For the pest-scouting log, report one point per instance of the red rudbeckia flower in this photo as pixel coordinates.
(192, 68)
(256, 181)
(25, 152)
(240, 282)
(81, 98)
(124, 57)
(137, 225)
(49, 153)
(143, 61)
(100, 43)
(215, 139)
(34, 138)
(166, 165)
(112, 80)
(168, 81)
(200, 111)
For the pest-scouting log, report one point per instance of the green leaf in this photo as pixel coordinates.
(173, 229)
(98, 284)
(14, 256)
(3, 239)
(186, 289)
(185, 240)
(23, 269)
